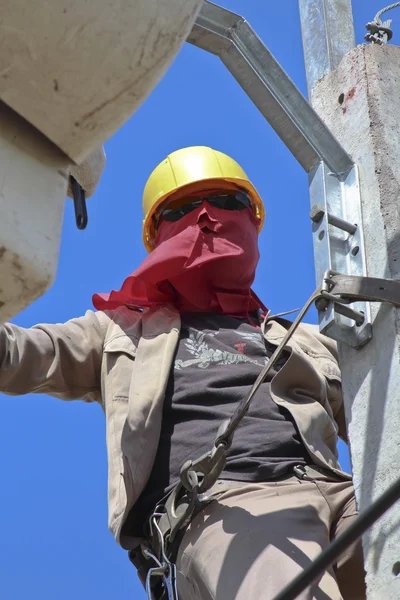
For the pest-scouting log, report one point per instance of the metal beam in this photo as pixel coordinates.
(230, 37)
(328, 34)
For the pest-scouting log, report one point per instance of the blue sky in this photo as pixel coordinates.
(53, 502)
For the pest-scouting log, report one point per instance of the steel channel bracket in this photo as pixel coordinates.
(335, 205)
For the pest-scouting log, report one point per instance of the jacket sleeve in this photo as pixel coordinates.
(334, 386)
(63, 360)
(335, 396)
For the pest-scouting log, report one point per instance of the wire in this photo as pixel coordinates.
(341, 543)
(377, 18)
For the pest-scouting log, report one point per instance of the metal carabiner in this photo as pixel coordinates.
(164, 569)
(170, 582)
(168, 574)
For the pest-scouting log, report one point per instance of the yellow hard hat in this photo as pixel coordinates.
(191, 170)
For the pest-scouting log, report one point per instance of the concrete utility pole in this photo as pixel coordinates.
(356, 93)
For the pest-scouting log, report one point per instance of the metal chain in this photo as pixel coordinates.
(377, 18)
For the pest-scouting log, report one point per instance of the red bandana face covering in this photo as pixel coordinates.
(206, 261)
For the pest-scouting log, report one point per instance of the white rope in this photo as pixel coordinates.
(378, 14)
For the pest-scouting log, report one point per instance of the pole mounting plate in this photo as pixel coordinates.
(337, 249)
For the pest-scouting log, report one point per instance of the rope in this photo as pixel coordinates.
(383, 10)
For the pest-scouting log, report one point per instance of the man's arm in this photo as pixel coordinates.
(335, 396)
(62, 360)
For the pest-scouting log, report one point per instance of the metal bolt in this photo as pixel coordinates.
(322, 304)
(317, 212)
(350, 313)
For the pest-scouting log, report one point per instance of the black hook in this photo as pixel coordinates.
(79, 196)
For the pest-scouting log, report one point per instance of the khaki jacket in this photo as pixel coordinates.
(122, 359)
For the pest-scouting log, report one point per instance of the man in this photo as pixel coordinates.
(169, 357)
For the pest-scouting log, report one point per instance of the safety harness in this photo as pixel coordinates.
(170, 518)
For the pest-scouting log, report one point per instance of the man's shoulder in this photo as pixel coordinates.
(125, 326)
(328, 343)
(122, 321)
(309, 338)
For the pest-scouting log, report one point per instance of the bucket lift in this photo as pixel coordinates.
(71, 73)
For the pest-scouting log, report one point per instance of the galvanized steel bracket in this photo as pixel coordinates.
(339, 245)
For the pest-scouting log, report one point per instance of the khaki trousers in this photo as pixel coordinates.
(254, 538)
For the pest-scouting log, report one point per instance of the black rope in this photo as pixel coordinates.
(329, 556)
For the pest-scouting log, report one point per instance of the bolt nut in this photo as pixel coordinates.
(316, 213)
(321, 304)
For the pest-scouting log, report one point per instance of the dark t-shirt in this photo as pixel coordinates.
(217, 360)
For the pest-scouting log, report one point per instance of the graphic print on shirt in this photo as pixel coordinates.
(241, 347)
(254, 338)
(204, 356)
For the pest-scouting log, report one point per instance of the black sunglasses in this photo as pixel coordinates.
(232, 201)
